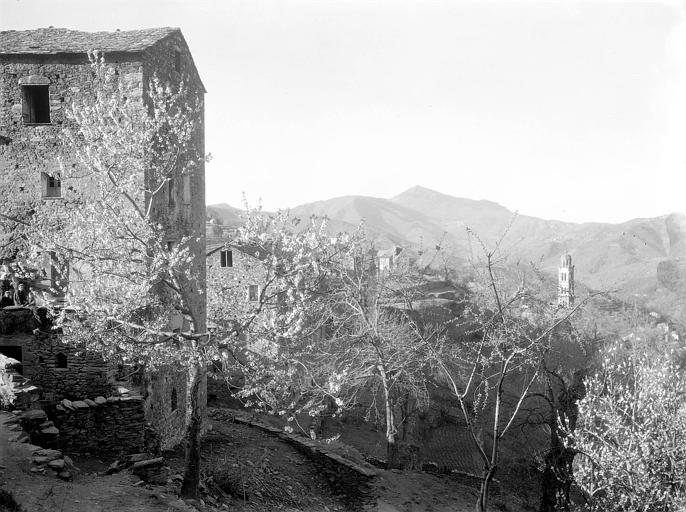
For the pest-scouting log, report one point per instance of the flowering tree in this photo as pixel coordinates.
(630, 436)
(132, 295)
(371, 345)
(265, 336)
(327, 324)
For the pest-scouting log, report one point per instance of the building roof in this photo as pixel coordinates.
(62, 40)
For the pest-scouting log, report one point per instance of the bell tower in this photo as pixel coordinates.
(565, 282)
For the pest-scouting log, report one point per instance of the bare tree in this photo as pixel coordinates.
(492, 355)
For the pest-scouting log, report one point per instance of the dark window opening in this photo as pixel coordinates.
(174, 400)
(35, 104)
(170, 245)
(226, 258)
(51, 185)
(177, 61)
(60, 360)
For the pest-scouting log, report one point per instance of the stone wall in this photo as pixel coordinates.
(58, 370)
(103, 425)
(85, 373)
(165, 405)
(28, 150)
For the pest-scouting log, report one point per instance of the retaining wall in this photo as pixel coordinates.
(104, 425)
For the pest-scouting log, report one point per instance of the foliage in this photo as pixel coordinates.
(328, 324)
(265, 338)
(106, 237)
(7, 395)
(631, 434)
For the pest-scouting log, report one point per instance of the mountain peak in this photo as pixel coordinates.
(417, 194)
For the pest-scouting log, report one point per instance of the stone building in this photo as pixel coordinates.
(238, 270)
(41, 72)
(565, 280)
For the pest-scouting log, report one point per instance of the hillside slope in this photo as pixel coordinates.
(641, 260)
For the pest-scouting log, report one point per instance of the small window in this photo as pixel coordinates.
(226, 258)
(177, 61)
(187, 189)
(174, 400)
(35, 104)
(60, 360)
(170, 245)
(51, 185)
(253, 293)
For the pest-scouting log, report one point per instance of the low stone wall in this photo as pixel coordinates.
(103, 425)
(346, 478)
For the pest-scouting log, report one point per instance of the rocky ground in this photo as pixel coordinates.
(245, 470)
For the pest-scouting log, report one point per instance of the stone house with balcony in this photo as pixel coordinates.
(41, 72)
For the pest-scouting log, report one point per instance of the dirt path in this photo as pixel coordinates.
(251, 470)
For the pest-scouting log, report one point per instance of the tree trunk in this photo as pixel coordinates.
(391, 451)
(405, 411)
(482, 502)
(194, 415)
(391, 432)
(557, 476)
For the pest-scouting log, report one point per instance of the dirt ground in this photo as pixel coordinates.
(245, 469)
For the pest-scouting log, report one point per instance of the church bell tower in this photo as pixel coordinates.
(565, 280)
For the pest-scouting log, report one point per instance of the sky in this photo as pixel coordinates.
(569, 110)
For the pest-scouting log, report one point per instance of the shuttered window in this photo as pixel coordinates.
(226, 259)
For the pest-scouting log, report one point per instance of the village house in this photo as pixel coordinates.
(238, 269)
(41, 72)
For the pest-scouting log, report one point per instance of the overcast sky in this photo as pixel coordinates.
(559, 109)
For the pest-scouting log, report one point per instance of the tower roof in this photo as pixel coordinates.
(566, 260)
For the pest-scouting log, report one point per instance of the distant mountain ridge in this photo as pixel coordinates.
(642, 260)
